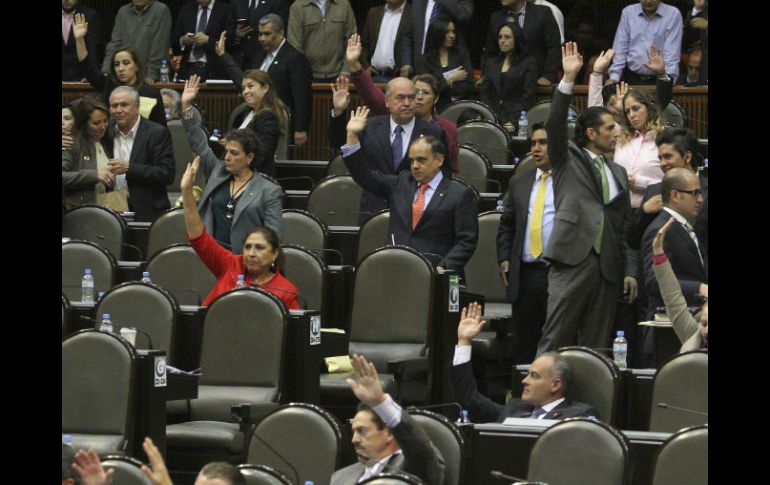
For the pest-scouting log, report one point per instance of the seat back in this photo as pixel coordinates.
(306, 270)
(97, 416)
(337, 167)
(263, 475)
(455, 109)
(76, 256)
(100, 225)
(596, 381)
(481, 271)
(525, 165)
(586, 451)
(127, 470)
(182, 156)
(374, 233)
(681, 381)
(539, 114)
(166, 230)
(488, 138)
(242, 350)
(474, 167)
(393, 478)
(304, 229)
(335, 200)
(674, 115)
(178, 270)
(302, 434)
(683, 458)
(447, 438)
(146, 307)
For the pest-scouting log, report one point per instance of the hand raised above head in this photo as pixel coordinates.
(571, 61)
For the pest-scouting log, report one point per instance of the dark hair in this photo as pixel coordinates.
(608, 92)
(561, 370)
(538, 126)
(375, 417)
(653, 122)
(83, 111)
(589, 118)
(682, 139)
(223, 471)
(469, 114)
(67, 459)
(436, 35)
(272, 239)
(139, 67)
(674, 179)
(436, 146)
(250, 143)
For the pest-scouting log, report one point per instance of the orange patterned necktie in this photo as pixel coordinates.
(418, 206)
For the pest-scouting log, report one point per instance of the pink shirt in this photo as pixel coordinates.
(640, 158)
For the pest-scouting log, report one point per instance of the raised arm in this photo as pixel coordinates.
(556, 125)
(192, 217)
(195, 135)
(370, 94)
(601, 65)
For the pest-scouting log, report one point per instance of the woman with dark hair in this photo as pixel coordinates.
(127, 71)
(84, 165)
(450, 63)
(509, 82)
(236, 197)
(260, 263)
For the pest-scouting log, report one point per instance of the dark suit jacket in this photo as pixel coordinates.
(220, 19)
(449, 226)
(150, 168)
(70, 71)
(265, 125)
(375, 141)
(419, 456)
(484, 410)
(371, 32)
(245, 52)
(458, 12)
(541, 38)
(579, 204)
(508, 93)
(683, 255)
(459, 57)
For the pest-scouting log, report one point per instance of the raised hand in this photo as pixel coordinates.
(353, 52)
(657, 243)
(470, 324)
(79, 26)
(655, 61)
(366, 385)
(602, 63)
(191, 88)
(340, 95)
(571, 61)
(357, 121)
(188, 179)
(157, 472)
(90, 469)
(219, 47)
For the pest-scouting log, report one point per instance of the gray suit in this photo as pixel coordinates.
(419, 456)
(583, 287)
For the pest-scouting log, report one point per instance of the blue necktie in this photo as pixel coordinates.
(397, 147)
(434, 12)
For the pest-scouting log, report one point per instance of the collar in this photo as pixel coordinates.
(679, 217)
(405, 126)
(132, 131)
(640, 10)
(592, 155)
(433, 184)
(539, 173)
(398, 10)
(551, 405)
(275, 51)
(144, 9)
(377, 467)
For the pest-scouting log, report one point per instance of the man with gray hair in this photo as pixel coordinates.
(144, 156)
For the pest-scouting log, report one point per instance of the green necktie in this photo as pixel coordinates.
(599, 164)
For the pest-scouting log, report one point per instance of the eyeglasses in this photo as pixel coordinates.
(694, 192)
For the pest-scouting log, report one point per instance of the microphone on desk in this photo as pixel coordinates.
(303, 302)
(502, 476)
(138, 330)
(440, 405)
(101, 237)
(664, 405)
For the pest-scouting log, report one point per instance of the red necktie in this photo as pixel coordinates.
(418, 206)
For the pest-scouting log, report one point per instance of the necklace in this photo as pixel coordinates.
(234, 194)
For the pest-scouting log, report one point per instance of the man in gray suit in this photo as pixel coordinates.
(386, 438)
(590, 260)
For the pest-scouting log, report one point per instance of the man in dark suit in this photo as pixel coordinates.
(69, 58)
(424, 12)
(428, 211)
(198, 27)
(682, 199)
(545, 387)
(587, 250)
(247, 14)
(144, 156)
(386, 438)
(386, 139)
(540, 32)
(383, 34)
(525, 228)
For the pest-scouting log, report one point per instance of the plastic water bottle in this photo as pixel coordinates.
(87, 287)
(106, 324)
(463, 419)
(309, 482)
(99, 296)
(571, 120)
(215, 135)
(523, 132)
(164, 73)
(500, 206)
(516, 161)
(146, 277)
(620, 350)
(66, 438)
(241, 281)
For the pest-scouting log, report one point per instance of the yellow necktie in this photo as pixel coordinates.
(536, 225)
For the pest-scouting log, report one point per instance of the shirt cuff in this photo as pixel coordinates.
(565, 87)
(389, 412)
(658, 259)
(348, 150)
(462, 354)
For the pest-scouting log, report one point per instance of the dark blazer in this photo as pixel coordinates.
(449, 226)
(541, 38)
(371, 32)
(458, 12)
(458, 57)
(79, 173)
(579, 204)
(220, 19)
(265, 125)
(375, 141)
(513, 226)
(70, 70)
(683, 255)
(508, 93)
(249, 47)
(692, 36)
(484, 410)
(151, 168)
(419, 456)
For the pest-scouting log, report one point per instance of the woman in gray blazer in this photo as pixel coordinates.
(236, 198)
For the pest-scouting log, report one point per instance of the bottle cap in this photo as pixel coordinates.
(621, 333)
(145, 274)
(88, 271)
(105, 316)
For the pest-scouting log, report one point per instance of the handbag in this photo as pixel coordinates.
(115, 200)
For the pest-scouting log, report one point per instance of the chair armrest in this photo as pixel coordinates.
(408, 367)
(249, 414)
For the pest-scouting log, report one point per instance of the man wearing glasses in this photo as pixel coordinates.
(682, 199)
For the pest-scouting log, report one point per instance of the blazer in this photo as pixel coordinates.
(458, 57)
(448, 228)
(508, 93)
(484, 410)
(151, 168)
(375, 142)
(419, 456)
(579, 204)
(541, 38)
(70, 70)
(265, 125)
(248, 48)
(458, 12)
(687, 328)
(371, 33)
(79, 173)
(221, 19)
(260, 204)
